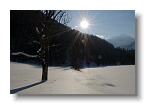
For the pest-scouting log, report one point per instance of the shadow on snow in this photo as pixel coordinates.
(25, 87)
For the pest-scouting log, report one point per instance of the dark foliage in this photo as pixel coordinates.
(66, 46)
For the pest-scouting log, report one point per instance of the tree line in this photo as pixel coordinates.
(41, 33)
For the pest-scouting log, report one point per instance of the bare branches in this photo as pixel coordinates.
(59, 15)
(33, 40)
(66, 18)
(63, 17)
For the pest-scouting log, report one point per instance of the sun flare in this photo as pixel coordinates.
(84, 24)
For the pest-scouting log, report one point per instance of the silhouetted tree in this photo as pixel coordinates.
(42, 32)
(43, 22)
(49, 19)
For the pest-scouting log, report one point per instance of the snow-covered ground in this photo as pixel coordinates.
(26, 79)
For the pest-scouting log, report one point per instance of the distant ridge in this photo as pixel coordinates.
(129, 47)
(121, 40)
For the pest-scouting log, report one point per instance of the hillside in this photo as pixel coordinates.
(66, 46)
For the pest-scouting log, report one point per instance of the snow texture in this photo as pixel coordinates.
(26, 79)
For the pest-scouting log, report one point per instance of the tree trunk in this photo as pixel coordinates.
(44, 72)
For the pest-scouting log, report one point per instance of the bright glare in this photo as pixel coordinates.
(84, 24)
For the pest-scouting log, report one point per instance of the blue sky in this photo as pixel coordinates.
(105, 23)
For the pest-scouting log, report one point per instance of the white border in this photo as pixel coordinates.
(7, 5)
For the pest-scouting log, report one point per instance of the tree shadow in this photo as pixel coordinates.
(25, 87)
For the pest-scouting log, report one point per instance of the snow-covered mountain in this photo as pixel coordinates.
(121, 40)
(129, 47)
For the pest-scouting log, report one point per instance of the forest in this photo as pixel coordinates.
(66, 45)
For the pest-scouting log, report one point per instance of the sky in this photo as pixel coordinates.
(104, 23)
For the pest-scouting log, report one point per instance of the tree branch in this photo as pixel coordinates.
(34, 41)
(57, 14)
(25, 54)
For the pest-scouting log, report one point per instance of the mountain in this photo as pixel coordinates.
(121, 40)
(129, 47)
(66, 46)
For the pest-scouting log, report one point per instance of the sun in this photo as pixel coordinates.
(84, 24)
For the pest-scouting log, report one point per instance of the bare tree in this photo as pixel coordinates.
(45, 33)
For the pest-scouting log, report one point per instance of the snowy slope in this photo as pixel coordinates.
(25, 79)
(129, 47)
(121, 40)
